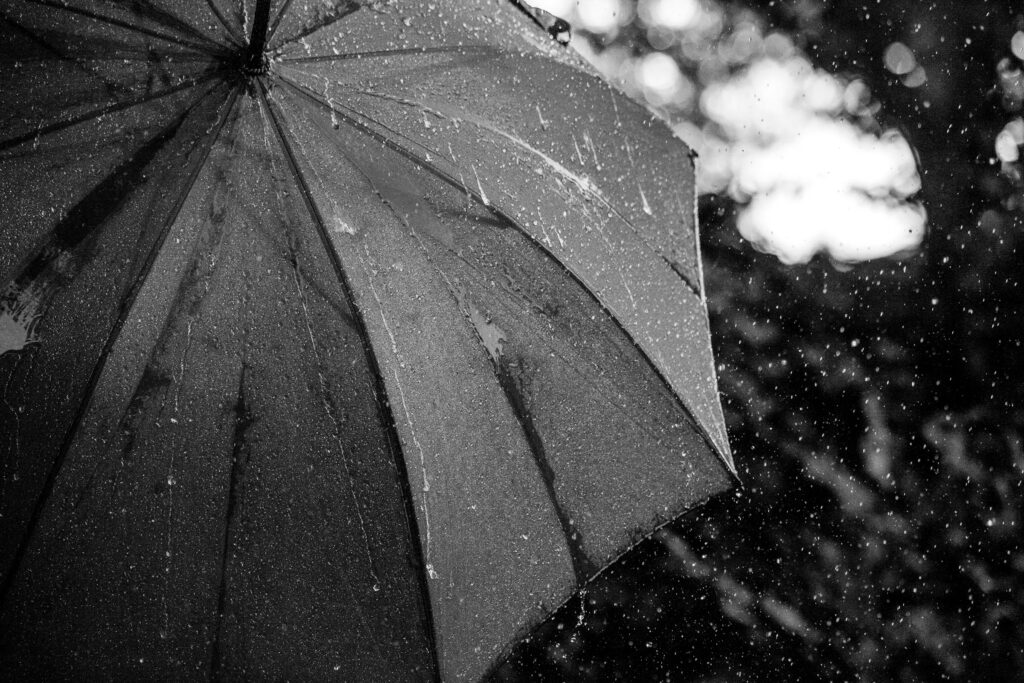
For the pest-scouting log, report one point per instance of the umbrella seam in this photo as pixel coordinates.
(673, 518)
(350, 8)
(38, 39)
(102, 111)
(172, 21)
(174, 40)
(519, 411)
(235, 39)
(582, 565)
(243, 421)
(380, 393)
(277, 20)
(22, 548)
(554, 350)
(523, 417)
(343, 56)
(583, 184)
(440, 173)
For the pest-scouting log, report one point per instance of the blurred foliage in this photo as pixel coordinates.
(875, 412)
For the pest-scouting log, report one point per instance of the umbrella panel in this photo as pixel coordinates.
(547, 404)
(98, 244)
(571, 185)
(229, 481)
(393, 248)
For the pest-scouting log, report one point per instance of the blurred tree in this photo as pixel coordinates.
(875, 409)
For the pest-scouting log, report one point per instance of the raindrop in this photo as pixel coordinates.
(557, 28)
(915, 78)
(543, 121)
(560, 31)
(899, 59)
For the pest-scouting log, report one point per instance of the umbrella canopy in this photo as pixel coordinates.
(338, 339)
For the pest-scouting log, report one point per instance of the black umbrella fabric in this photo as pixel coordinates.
(336, 339)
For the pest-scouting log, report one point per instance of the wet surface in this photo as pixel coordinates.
(339, 339)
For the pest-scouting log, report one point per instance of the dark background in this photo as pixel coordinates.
(874, 410)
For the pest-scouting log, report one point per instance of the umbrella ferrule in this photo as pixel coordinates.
(255, 65)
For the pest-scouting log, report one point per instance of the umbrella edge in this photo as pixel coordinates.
(673, 518)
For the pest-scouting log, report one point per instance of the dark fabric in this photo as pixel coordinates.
(352, 365)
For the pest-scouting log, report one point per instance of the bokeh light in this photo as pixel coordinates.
(1017, 44)
(899, 59)
(796, 146)
(812, 180)
(672, 15)
(662, 81)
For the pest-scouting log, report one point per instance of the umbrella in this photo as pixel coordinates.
(338, 338)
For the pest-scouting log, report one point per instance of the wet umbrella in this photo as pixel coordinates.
(338, 339)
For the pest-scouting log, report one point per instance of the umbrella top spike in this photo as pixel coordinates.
(255, 62)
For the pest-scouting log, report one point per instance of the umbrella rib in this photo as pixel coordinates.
(366, 129)
(235, 39)
(172, 21)
(596, 196)
(606, 392)
(77, 62)
(129, 55)
(174, 40)
(328, 402)
(582, 565)
(313, 284)
(380, 393)
(239, 462)
(37, 39)
(239, 6)
(277, 20)
(343, 12)
(68, 233)
(584, 187)
(145, 56)
(102, 111)
(126, 305)
(389, 53)
(672, 518)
